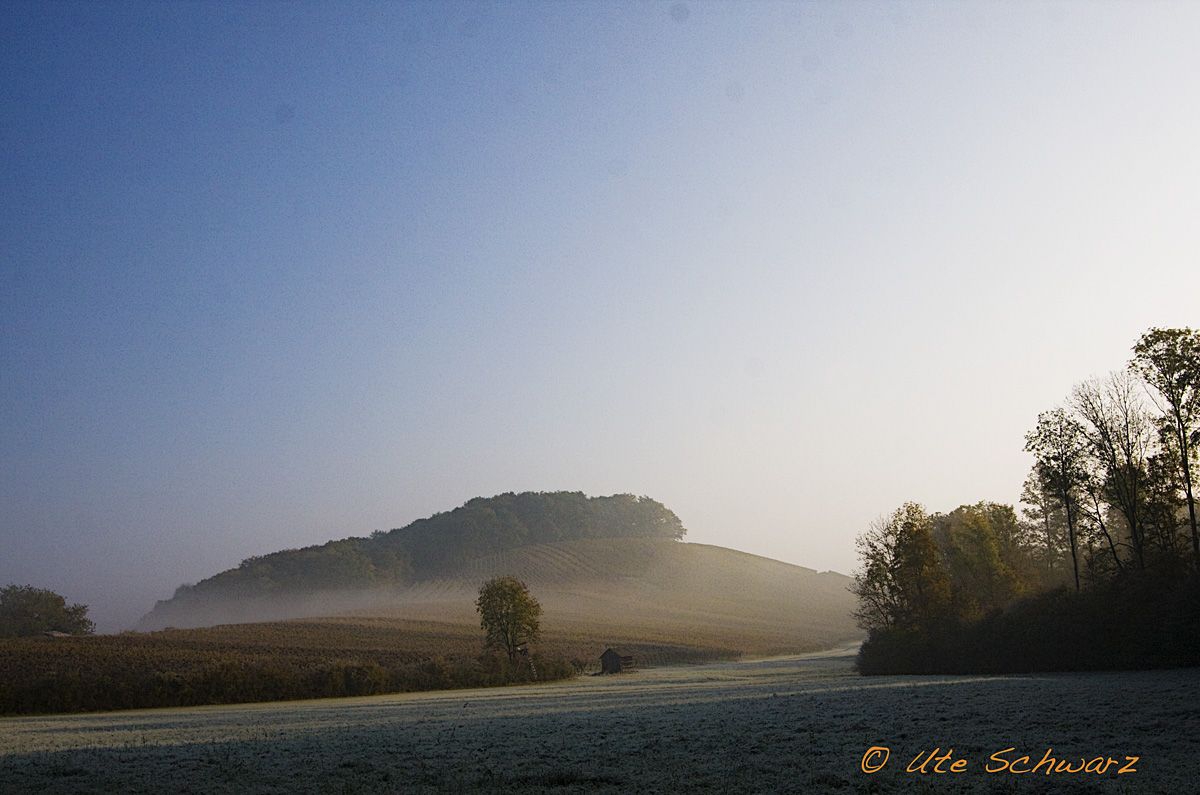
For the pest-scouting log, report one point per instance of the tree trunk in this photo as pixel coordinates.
(1187, 483)
(1049, 541)
(1071, 535)
(1100, 520)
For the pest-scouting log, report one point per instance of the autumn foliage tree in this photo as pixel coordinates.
(25, 610)
(901, 584)
(987, 557)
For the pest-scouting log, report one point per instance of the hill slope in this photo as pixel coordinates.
(655, 588)
(598, 590)
(435, 545)
(606, 569)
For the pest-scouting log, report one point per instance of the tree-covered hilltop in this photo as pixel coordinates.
(486, 525)
(437, 544)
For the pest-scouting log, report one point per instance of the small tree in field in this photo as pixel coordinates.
(508, 614)
(25, 610)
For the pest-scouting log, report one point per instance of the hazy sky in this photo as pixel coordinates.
(272, 274)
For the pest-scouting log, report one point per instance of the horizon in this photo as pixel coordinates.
(275, 275)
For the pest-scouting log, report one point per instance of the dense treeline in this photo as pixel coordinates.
(1102, 570)
(1128, 623)
(438, 543)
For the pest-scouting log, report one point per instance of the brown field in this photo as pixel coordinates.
(386, 641)
(596, 592)
(285, 660)
(663, 602)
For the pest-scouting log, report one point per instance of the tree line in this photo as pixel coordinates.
(1100, 568)
(1112, 480)
(439, 543)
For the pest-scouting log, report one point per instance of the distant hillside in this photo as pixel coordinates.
(638, 585)
(437, 544)
(643, 590)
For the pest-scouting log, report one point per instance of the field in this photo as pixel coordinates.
(290, 660)
(662, 601)
(799, 724)
(604, 590)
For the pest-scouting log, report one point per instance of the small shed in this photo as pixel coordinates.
(612, 662)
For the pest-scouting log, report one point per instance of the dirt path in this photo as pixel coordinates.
(799, 724)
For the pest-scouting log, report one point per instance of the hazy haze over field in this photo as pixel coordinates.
(275, 274)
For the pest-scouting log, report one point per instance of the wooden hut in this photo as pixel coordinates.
(610, 662)
(613, 663)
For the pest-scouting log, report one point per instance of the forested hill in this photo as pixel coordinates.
(438, 544)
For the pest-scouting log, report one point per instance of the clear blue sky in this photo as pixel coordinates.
(274, 273)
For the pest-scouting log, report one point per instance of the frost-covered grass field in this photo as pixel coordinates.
(798, 724)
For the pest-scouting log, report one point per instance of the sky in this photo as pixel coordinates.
(277, 273)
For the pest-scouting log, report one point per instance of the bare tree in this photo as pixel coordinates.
(1093, 488)
(1120, 435)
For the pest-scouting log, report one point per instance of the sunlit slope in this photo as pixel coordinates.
(684, 590)
(647, 588)
(609, 591)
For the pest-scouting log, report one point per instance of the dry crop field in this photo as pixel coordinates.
(664, 602)
(799, 724)
(601, 590)
(310, 658)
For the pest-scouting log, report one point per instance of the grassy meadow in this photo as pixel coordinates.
(800, 724)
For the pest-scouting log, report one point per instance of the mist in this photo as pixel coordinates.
(276, 608)
(275, 276)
